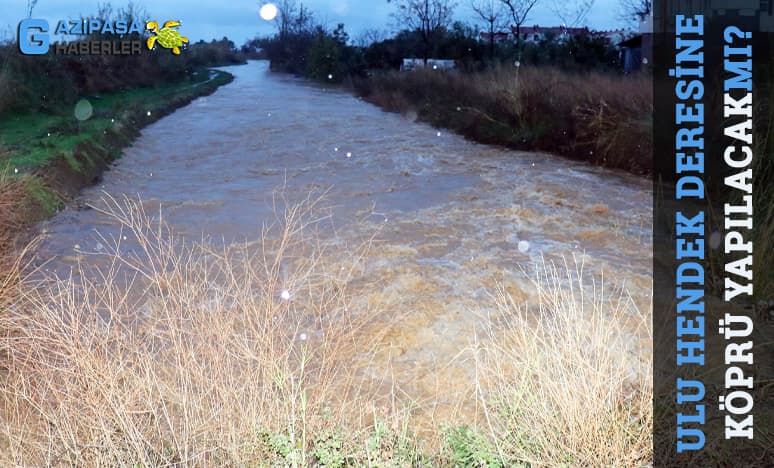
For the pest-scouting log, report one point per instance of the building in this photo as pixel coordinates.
(498, 36)
(538, 33)
(637, 51)
(612, 36)
(434, 64)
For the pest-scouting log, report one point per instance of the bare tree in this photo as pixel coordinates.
(286, 14)
(104, 11)
(371, 36)
(635, 11)
(31, 6)
(429, 17)
(519, 11)
(572, 13)
(304, 20)
(492, 13)
(133, 12)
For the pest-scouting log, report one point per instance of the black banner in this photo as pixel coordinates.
(713, 233)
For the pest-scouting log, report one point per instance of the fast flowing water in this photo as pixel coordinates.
(454, 218)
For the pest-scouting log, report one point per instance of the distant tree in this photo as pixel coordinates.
(304, 21)
(31, 6)
(133, 12)
(104, 11)
(493, 14)
(370, 36)
(430, 17)
(289, 49)
(635, 11)
(286, 14)
(519, 12)
(325, 58)
(572, 13)
(340, 35)
(461, 44)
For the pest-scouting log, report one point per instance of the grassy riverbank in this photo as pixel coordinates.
(235, 357)
(601, 118)
(47, 157)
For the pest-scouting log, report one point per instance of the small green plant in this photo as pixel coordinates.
(272, 444)
(48, 200)
(329, 449)
(374, 442)
(467, 448)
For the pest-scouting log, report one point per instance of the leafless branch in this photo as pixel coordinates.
(572, 13)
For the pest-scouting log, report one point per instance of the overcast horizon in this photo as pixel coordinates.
(239, 20)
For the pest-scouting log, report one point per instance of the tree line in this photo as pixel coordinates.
(304, 46)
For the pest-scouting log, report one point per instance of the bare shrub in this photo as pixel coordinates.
(568, 382)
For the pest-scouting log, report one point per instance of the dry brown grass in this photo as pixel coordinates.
(181, 353)
(568, 384)
(12, 190)
(173, 353)
(601, 118)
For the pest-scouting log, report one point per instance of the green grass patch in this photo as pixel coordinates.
(466, 447)
(48, 200)
(35, 139)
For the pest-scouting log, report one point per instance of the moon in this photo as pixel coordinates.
(268, 11)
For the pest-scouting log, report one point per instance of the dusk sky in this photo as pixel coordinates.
(239, 19)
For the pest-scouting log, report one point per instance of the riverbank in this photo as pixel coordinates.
(47, 158)
(604, 119)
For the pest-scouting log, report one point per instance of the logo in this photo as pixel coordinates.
(167, 37)
(33, 36)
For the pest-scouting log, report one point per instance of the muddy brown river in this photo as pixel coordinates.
(453, 219)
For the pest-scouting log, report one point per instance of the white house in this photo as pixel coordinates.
(435, 64)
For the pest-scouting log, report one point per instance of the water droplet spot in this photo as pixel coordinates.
(83, 110)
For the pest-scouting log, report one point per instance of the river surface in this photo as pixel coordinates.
(453, 219)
